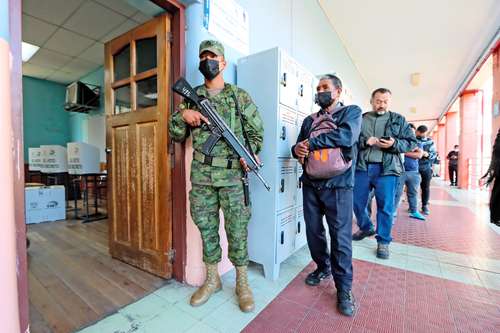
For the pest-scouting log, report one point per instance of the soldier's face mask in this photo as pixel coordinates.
(324, 99)
(209, 68)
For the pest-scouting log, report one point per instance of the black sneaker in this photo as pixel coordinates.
(425, 210)
(314, 278)
(361, 234)
(383, 251)
(345, 303)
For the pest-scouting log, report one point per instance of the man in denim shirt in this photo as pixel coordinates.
(411, 178)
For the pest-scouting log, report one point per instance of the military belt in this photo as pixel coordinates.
(216, 161)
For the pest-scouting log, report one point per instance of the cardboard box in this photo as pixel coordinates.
(82, 158)
(35, 156)
(55, 159)
(43, 204)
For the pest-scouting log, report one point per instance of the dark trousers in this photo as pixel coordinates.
(425, 185)
(453, 172)
(336, 206)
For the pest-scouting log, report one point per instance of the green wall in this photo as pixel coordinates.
(45, 120)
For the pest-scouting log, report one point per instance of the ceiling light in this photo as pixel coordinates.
(413, 109)
(28, 50)
(415, 79)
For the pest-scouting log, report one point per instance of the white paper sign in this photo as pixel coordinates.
(228, 22)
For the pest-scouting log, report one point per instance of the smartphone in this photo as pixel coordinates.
(387, 138)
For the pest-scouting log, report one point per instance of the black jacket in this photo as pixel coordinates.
(348, 121)
(398, 128)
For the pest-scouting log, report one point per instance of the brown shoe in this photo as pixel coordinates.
(245, 296)
(211, 285)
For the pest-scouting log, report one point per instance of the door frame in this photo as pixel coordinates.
(177, 26)
(177, 10)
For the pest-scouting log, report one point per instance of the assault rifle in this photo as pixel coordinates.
(218, 128)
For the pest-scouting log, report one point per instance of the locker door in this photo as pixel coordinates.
(305, 92)
(287, 131)
(288, 81)
(287, 183)
(286, 235)
(300, 236)
(314, 106)
(298, 199)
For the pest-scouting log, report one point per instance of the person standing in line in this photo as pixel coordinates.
(492, 176)
(385, 135)
(411, 178)
(425, 165)
(453, 165)
(330, 197)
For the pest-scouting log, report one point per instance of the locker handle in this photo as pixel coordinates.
(299, 184)
(283, 133)
(301, 90)
(282, 240)
(298, 227)
(283, 80)
(282, 187)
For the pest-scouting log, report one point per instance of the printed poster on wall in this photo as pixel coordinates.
(228, 22)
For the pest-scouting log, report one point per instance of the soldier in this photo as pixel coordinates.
(217, 179)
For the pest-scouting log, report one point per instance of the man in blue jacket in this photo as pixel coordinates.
(331, 197)
(425, 165)
(385, 135)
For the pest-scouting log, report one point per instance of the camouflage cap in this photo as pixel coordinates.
(213, 46)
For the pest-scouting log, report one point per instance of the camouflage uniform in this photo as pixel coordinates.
(215, 187)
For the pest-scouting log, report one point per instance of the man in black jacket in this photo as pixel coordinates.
(385, 135)
(331, 197)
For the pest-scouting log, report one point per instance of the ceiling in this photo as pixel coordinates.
(71, 34)
(388, 40)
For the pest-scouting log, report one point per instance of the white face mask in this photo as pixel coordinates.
(381, 113)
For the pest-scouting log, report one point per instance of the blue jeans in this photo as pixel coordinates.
(412, 181)
(336, 205)
(385, 192)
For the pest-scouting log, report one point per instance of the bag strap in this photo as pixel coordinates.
(240, 115)
(317, 115)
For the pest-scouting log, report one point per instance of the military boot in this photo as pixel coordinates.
(245, 297)
(211, 285)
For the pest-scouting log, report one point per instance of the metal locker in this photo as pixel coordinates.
(287, 131)
(277, 228)
(288, 81)
(286, 235)
(305, 90)
(300, 236)
(287, 184)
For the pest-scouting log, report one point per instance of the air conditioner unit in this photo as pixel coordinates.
(81, 97)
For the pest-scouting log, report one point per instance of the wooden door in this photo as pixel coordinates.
(137, 86)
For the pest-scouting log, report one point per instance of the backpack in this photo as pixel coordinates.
(325, 163)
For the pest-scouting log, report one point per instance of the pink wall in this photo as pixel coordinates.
(9, 313)
(471, 110)
(195, 268)
(441, 146)
(452, 139)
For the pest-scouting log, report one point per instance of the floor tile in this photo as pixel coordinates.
(202, 328)
(113, 323)
(202, 311)
(145, 309)
(489, 280)
(460, 274)
(174, 292)
(172, 321)
(424, 266)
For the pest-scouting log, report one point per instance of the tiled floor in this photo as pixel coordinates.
(443, 276)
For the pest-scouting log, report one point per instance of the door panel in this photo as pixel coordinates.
(137, 73)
